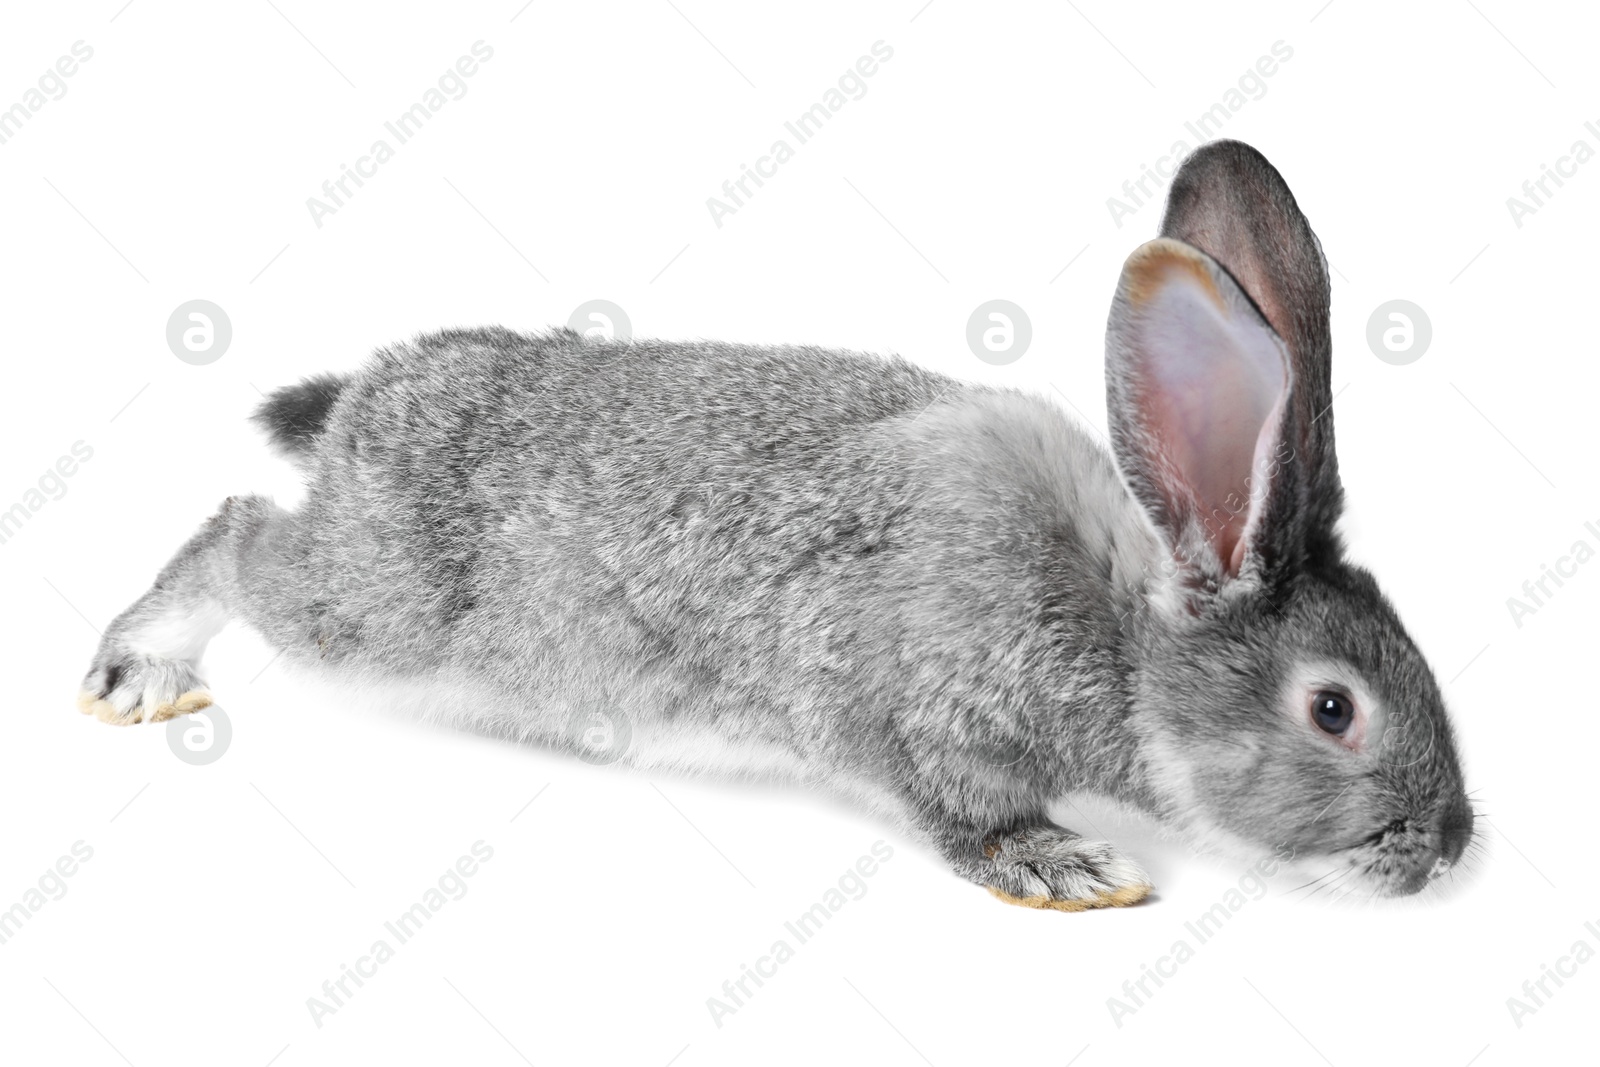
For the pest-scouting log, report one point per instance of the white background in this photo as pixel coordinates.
(977, 166)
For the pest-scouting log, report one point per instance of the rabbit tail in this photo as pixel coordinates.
(294, 416)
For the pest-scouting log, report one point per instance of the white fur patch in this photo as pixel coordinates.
(180, 634)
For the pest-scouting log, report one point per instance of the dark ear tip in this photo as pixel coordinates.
(1223, 148)
(1226, 183)
(1227, 162)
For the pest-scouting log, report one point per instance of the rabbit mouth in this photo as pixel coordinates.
(1399, 859)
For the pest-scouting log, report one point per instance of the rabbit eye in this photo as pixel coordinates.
(1332, 711)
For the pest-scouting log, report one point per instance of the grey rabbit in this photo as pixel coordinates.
(944, 600)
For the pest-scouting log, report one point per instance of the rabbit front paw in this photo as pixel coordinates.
(125, 689)
(1051, 867)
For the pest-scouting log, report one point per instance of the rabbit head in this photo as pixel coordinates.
(1280, 702)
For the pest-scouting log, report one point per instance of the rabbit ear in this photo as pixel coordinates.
(1230, 203)
(1198, 387)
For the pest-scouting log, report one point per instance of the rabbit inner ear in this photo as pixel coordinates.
(1198, 384)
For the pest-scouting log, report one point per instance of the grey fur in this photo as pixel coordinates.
(295, 415)
(933, 595)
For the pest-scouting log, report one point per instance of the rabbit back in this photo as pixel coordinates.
(798, 551)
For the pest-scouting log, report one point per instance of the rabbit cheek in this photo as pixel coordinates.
(1212, 788)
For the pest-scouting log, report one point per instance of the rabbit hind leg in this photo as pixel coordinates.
(147, 666)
